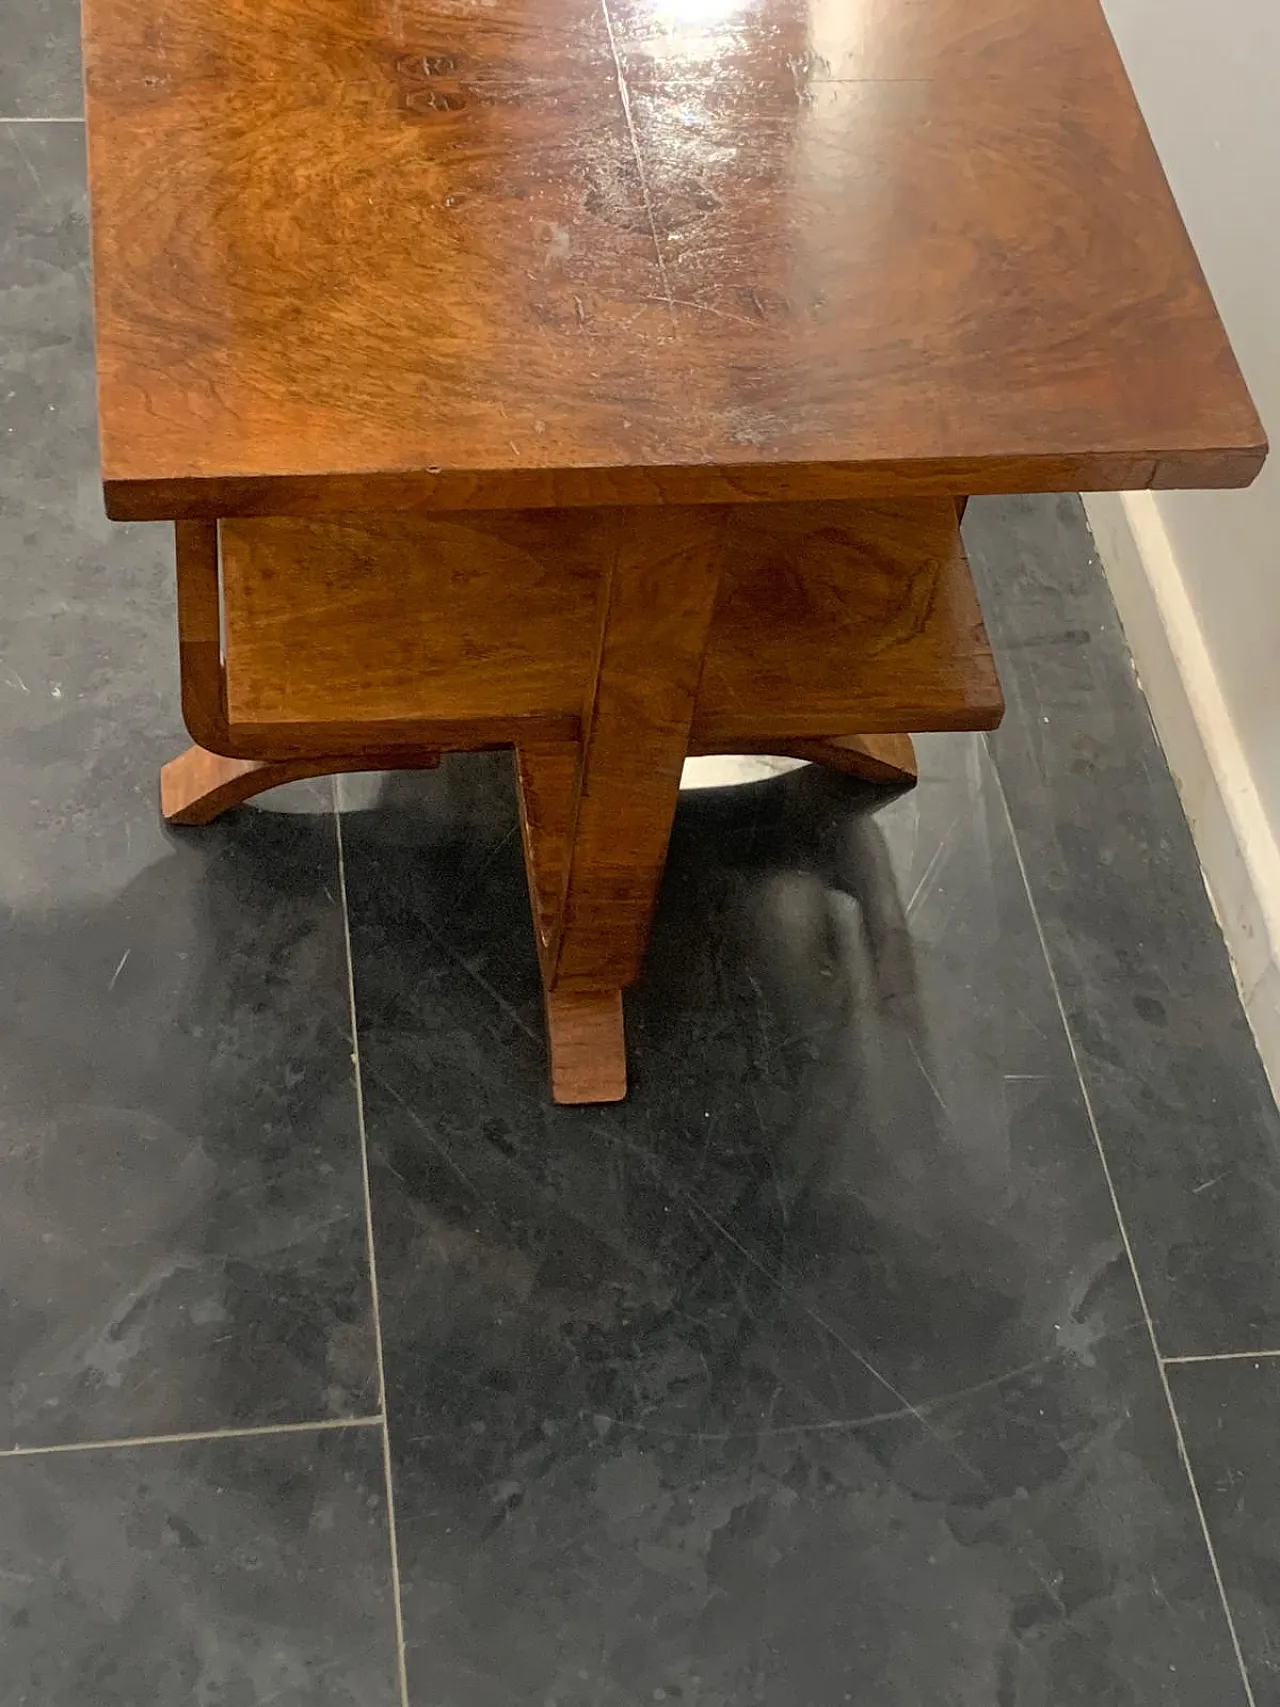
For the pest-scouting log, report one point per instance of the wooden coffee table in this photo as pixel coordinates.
(604, 378)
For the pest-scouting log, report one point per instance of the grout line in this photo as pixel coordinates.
(1125, 1240)
(63, 120)
(325, 1426)
(374, 1297)
(1220, 1356)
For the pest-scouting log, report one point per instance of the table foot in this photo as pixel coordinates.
(200, 786)
(587, 1046)
(597, 812)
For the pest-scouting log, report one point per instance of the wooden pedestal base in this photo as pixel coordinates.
(586, 1041)
(605, 647)
(199, 786)
(886, 759)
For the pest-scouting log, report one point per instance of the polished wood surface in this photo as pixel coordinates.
(586, 1046)
(841, 616)
(446, 630)
(657, 601)
(605, 646)
(889, 760)
(199, 786)
(390, 254)
(604, 379)
(488, 617)
(204, 698)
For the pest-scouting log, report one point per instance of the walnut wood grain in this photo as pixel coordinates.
(887, 760)
(548, 780)
(472, 618)
(561, 253)
(586, 1046)
(480, 628)
(596, 813)
(841, 616)
(199, 786)
(605, 646)
(656, 606)
(599, 378)
(204, 702)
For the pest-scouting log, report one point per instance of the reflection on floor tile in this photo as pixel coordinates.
(1186, 1116)
(812, 1373)
(182, 1239)
(1231, 1418)
(230, 1571)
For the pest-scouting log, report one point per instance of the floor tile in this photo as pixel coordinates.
(235, 1572)
(182, 1237)
(812, 1373)
(1190, 1128)
(40, 64)
(1230, 1415)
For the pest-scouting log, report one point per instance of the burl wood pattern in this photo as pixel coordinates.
(604, 646)
(603, 378)
(428, 628)
(360, 255)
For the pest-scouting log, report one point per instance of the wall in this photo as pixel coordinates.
(1197, 574)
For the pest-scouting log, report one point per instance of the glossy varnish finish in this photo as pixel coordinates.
(690, 325)
(484, 627)
(396, 254)
(605, 645)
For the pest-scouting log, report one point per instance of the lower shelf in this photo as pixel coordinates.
(470, 629)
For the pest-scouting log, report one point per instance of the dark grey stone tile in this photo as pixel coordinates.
(40, 64)
(236, 1572)
(181, 1191)
(1230, 1415)
(812, 1373)
(1190, 1129)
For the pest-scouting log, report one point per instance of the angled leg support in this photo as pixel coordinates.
(597, 815)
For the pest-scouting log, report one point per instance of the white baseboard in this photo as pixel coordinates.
(1238, 850)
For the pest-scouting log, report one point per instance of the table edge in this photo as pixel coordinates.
(170, 498)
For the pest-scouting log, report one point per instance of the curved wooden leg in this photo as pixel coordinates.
(200, 786)
(886, 759)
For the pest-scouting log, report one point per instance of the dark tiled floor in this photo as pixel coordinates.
(39, 59)
(817, 1372)
(182, 1220)
(1229, 1413)
(1192, 1134)
(224, 1571)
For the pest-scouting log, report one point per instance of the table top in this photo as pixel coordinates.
(373, 254)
